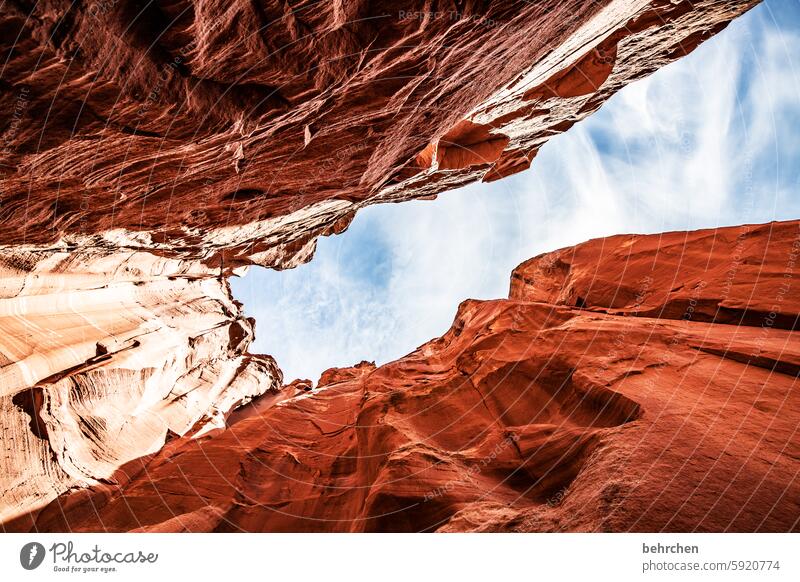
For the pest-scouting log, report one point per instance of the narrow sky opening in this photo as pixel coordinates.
(711, 140)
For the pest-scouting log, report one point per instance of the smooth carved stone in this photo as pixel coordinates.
(529, 414)
(104, 358)
(150, 153)
(238, 132)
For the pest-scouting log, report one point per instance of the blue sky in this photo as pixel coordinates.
(711, 140)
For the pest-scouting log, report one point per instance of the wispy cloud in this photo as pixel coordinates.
(711, 140)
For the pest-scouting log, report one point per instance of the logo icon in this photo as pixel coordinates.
(31, 555)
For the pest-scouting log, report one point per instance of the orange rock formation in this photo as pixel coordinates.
(149, 154)
(633, 383)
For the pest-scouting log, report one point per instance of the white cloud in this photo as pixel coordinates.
(708, 141)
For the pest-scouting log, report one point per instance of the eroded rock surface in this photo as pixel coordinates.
(149, 152)
(103, 358)
(237, 132)
(633, 411)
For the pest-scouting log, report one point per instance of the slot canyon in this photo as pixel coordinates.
(152, 151)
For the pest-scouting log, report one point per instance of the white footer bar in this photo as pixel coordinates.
(379, 557)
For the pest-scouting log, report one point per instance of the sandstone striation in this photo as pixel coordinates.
(102, 359)
(237, 132)
(633, 411)
(151, 151)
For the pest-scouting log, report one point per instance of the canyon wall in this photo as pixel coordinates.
(237, 132)
(103, 358)
(665, 400)
(148, 153)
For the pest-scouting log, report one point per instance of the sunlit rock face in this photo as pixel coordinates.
(237, 132)
(103, 357)
(529, 414)
(150, 153)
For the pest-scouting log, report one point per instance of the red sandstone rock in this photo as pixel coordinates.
(102, 358)
(148, 154)
(237, 132)
(643, 410)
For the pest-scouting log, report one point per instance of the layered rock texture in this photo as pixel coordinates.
(103, 358)
(644, 383)
(152, 150)
(237, 132)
